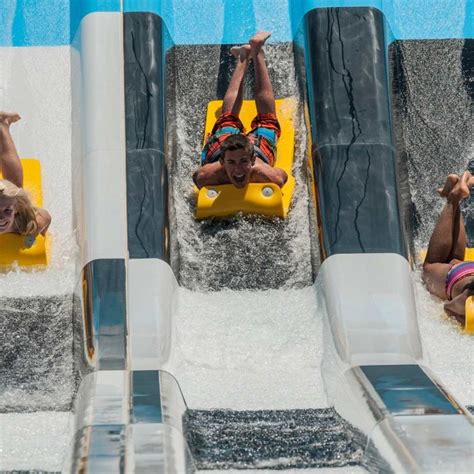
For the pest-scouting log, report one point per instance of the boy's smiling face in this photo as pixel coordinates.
(238, 166)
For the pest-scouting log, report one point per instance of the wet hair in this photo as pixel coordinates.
(239, 141)
(25, 213)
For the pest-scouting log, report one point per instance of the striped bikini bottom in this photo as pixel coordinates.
(457, 272)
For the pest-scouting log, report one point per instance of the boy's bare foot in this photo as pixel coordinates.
(258, 40)
(451, 181)
(7, 118)
(241, 52)
(461, 190)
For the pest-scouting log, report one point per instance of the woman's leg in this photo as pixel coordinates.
(264, 98)
(460, 238)
(448, 240)
(10, 163)
(442, 238)
(234, 94)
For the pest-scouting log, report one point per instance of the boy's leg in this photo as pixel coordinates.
(264, 98)
(234, 94)
(10, 163)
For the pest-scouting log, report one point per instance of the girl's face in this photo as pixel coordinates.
(7, 214)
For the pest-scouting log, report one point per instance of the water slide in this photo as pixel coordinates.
(156, 343)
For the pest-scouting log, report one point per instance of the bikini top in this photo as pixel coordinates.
(456, 273)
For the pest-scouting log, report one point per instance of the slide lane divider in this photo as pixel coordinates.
(100, 300)
(126, 418)
(373, 359)
(157, 404)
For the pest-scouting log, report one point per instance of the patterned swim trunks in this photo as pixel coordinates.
(264, 134)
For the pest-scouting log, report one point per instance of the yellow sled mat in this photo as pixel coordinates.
(15, 248)
(256, 198)
(469, 322)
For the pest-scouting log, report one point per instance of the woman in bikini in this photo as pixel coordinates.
(445, 272)
(17, 214)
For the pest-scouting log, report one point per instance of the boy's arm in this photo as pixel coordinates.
(211, 174)
(264, 173)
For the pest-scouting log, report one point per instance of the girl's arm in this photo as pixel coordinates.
(43, 219)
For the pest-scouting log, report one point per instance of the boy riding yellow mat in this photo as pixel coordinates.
(230, 156)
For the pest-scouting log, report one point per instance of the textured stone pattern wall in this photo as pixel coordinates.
(432, 83)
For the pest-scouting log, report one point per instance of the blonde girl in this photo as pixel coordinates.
(17, 214)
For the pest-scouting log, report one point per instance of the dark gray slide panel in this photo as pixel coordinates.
(353, 151)
(147, 172)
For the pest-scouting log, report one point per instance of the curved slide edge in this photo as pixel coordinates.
(373, 353)
(126, 418)
(373, 367)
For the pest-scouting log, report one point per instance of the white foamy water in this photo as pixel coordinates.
(249, 350)
(448, 350)
(262, 350)
(34, 441)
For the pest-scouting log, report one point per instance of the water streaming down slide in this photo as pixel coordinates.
(432, 121)
(238, 253)
(239, 258)
(240, 348)
(36, 358)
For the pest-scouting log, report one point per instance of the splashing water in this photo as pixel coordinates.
(241, 251)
